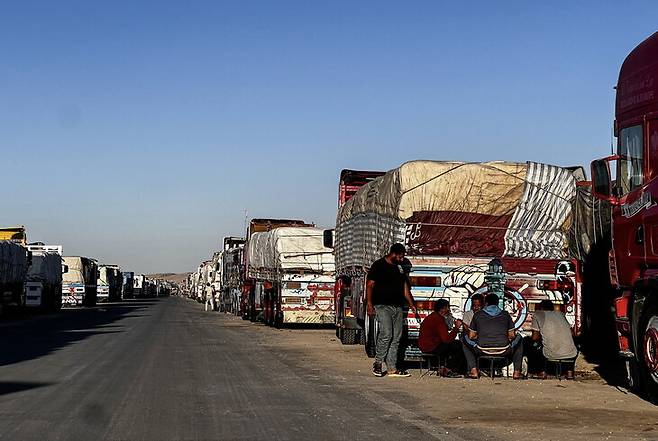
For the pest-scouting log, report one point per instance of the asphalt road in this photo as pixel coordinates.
(164, 369)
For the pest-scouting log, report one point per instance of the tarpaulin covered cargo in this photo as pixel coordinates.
(289, 249)
(109, 275)
(13, 262)
(45, 268)
(75, 272)
(507, 209)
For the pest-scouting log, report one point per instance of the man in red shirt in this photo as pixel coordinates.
(436, 338)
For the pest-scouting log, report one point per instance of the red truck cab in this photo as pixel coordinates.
(348, 330)
(627, 180)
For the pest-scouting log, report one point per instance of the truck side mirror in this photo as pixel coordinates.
(601, 181)
(328, 238)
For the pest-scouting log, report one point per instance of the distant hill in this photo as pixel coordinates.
(173, 277)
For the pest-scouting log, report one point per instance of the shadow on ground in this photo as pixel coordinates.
(27, 339)
(10, 387)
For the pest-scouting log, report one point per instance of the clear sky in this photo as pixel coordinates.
(139, 132)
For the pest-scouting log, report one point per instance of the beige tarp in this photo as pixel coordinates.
(492, 188)
(74, 274)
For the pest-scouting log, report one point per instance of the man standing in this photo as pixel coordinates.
(210, 298)
(387, 291)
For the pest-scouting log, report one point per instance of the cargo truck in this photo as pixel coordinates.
(109, 283)
(14, 264)
(347, 328)
(520, 230)
(79, 283)
(294, 275)
(138, 286)
(231, 262)
(43, 285)
(127, 285)
(251, 295)
(14, 234)
(631, 188)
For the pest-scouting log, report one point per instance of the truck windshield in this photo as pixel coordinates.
(630, 150)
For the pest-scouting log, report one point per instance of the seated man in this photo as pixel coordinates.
(476, 304)
(435, 338)
(551, 339)
(492, 332)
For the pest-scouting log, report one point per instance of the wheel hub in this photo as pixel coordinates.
(650, 347)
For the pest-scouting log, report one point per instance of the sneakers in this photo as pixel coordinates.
(377, 369)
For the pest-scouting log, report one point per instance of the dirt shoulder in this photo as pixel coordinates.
(501, 409)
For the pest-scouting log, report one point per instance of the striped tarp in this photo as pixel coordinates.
(537, 229)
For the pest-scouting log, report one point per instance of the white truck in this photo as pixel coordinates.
(109, 283)
(79, 283)
(139, 286)
(294, 275)
(43, 285)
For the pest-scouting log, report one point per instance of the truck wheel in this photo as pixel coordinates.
(371, 336)
(348, 337)
(278, 320)
(362, 336)
(648, 339)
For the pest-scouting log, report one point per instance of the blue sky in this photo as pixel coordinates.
(140, 132)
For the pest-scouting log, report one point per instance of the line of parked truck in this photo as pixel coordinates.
(38, 277)
(526, 231)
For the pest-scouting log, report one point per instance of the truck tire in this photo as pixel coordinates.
(348, 336)
(278, 320)
(371, 336)
(362, 336)
(648, 351)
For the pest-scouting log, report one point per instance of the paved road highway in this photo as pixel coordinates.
(166, 370)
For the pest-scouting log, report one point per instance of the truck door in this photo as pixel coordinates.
(629, 231)
(651, 213)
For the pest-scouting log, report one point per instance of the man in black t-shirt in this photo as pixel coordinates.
(387, 292)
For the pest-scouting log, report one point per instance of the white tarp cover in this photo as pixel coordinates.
(109, 275)
(45, 268)
(13, 262)
(497, 208)
(288, 249)
(74, 274)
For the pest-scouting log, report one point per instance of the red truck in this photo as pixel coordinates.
(348, 329)
(632, 192)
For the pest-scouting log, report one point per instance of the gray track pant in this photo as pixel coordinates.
(390, 320)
